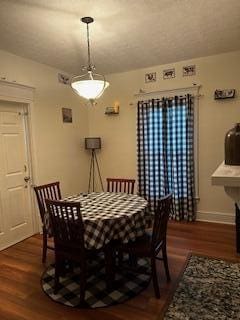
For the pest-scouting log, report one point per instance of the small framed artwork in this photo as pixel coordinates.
(67, 115)
(168, 74)
(63, 78)
(113, 109)
(189, 70)
(224, 94)
(150, 77)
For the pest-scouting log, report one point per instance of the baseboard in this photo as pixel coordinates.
(12, 243)
(218, 217)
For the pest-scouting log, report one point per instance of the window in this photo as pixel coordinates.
(166, 152)
(178, 149)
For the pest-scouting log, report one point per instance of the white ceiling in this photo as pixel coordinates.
(126, 34)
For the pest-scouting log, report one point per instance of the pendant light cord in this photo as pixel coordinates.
(89, 58)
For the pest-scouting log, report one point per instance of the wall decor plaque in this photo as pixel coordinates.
(150, 77)
(168, 73)
(189, 70)
(63, 78)
(67, 115)
(224, 94)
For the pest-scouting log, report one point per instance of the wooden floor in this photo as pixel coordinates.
(21, 296)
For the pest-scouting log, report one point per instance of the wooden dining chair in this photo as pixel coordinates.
(150, 245)
(68, 234)
(120, 185)
(47, 191)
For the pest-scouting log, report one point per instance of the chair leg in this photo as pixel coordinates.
(57, 272)
(133, 260)
(120, 257)
(154, 278)
(110, 265)
(165, 261)
(44, 249)
(82, 287)
(62, 268)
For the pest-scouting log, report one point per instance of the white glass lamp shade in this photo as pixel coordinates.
(89, 88)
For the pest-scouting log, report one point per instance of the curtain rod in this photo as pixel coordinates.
(142, 92)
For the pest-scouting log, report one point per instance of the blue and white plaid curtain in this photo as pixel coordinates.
(165, 134)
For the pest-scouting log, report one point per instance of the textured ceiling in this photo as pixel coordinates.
(126, 34)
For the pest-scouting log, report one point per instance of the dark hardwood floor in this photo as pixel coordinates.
(21, 296)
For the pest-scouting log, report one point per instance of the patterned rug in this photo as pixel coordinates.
(208, 289)
(127, 285)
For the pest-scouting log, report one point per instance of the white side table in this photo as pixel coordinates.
(229, 177)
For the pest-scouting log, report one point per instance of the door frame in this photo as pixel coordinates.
(22, 94)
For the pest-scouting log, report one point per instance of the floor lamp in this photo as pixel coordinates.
(93, 144)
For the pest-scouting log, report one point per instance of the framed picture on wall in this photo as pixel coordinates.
(168, 73)
(67, 115)
(189, 70)
(224, 94)
(63, 78)
(150, 77)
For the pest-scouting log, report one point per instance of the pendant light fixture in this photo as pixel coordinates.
(90, 85)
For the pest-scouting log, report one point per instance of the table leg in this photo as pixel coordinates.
(109, 254)
(237, 227)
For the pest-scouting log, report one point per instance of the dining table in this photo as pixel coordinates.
(111, 216)
(109, 219)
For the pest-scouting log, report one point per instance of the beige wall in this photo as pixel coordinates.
(118, 155)
(59, 147)
(59, 151)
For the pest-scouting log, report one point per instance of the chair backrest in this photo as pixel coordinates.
(120, 185)
(47, 191)
(161, 217)
(67, 224)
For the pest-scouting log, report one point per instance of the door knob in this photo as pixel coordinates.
(26, 179)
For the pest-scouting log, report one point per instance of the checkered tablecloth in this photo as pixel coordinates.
(108, 216)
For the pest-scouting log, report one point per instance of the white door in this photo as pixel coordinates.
(15, 215)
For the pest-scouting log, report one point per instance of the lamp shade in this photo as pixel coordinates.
(93, 143)
(89, 89)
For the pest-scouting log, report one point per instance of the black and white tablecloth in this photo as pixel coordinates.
(111, 216)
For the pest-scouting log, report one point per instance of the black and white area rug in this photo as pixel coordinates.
(209, 289)
(127, 285)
